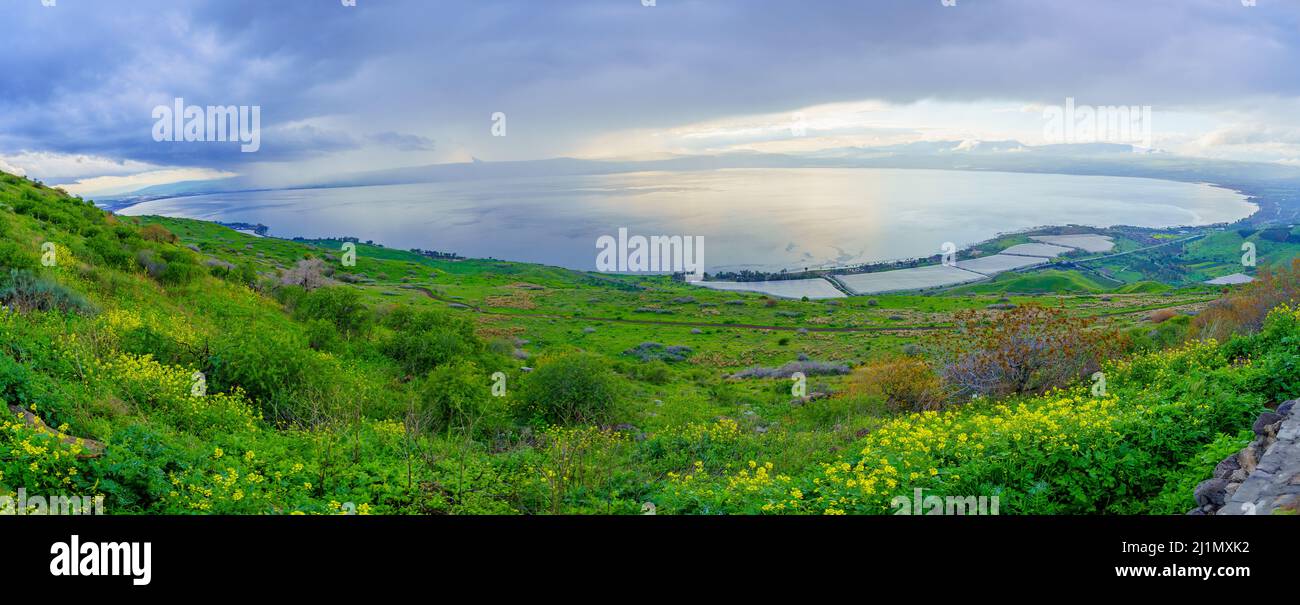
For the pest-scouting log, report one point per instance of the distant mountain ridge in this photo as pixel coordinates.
(1102, 159)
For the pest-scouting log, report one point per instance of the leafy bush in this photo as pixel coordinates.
(422, 340)
(144, 340)
(575, 388)
(1178, 495)
(455, 396)
(110, 251)
(904, 384)
(322, 335)
(14, 256)
(656, 372)
(341, 307)
(271, 367)
(170, 267)
(15, 383)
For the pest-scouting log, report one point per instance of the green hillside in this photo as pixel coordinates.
(1037, 282)
(177, 366)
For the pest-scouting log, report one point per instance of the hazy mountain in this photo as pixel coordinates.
(1012, 156)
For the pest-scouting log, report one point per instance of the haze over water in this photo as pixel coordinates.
(761, 219)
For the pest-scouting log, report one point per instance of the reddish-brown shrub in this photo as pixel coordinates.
(158, 233)
(1029, 349)
(1244, 311)
(1161, 315)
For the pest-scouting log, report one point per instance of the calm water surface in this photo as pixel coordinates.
(766, 219)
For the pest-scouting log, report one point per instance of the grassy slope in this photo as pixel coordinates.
(166, 456)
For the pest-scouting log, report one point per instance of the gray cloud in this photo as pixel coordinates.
(82, 77)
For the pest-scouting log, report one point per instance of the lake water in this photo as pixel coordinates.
(763, 219)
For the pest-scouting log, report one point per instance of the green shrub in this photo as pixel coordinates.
(169, 267)
(110, 251)
(456, 395)
(144, 340)
(322, 335)
(243, 274)
(574, 388)
(133, 473)
(341, 306)
(423, 340)
(15, 383)
(1178, 495)
(14, 256)
(656, 372)
(271, 367)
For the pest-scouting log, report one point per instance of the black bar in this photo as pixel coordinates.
(315, 554)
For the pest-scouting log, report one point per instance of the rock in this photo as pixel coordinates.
(525, 369)
(1265, 420)
(194, 247)
(1237, 475)
(89, 447)
(1247, 459)
(1285, 409)
(696, 331)
(216, 262)
(1226, 468)
(588, 330)
(1211, 492)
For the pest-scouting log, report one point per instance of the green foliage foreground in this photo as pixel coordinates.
(319, 402)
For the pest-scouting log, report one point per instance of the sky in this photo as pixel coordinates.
(391, 83)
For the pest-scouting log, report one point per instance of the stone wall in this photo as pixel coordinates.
(1262, 479)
